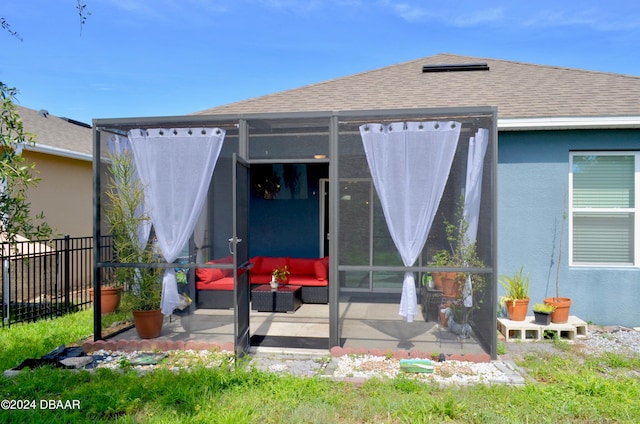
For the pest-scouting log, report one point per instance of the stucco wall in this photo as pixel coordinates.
(533, 177)
(64, 194)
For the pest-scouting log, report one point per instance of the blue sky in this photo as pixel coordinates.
(173, 57)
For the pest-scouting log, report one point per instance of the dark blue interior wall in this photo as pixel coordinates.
(289, 224)
(533, 178)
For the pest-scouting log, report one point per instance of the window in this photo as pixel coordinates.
(602, 208)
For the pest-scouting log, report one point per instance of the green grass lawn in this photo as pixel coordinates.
(563, 387)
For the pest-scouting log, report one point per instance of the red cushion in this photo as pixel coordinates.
(268, 264)
(256, 261)
(222, 284)
(301, 266)
(260, 278)
(320, 270)
(304, 280)
(208, 275)
(227, 272)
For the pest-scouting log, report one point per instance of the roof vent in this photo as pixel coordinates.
(73, 121)
(456, 67)
(43, 112)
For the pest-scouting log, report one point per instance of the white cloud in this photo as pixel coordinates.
(542, 14)
(604, 20)
(160, 9)
(462, 16)
(295, 6)
(480, 17)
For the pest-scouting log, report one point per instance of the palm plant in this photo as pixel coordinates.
(516, 287)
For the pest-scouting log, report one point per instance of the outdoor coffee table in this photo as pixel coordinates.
(285, 299)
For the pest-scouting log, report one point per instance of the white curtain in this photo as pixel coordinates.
(175, 167)
(410, 164)
(118, 146)
(472, 193)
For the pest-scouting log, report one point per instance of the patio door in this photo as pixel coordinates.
(324, 217)
(239, 246)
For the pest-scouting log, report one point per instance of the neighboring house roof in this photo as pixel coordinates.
(57, 136)
(525, 94)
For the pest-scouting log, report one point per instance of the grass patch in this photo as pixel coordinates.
(568, 386)
(32, 340)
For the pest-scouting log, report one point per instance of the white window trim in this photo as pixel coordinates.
(635, 210)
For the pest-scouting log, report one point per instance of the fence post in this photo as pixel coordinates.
(6, 289)
(67, 271)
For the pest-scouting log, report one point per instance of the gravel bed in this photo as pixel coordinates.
(444, 373)
(617, 340)
(620, 340)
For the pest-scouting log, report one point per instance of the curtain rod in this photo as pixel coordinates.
(463, 120)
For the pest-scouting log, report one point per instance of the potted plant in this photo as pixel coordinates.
(562, 305)
(448, 282)
(542, 313)
(143, 286)
(516, 296)
(279, 275)
(460, 254)
(110, 296)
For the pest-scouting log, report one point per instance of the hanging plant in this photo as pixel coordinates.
(269, 187)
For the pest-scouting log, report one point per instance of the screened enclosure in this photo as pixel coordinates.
(390, 198)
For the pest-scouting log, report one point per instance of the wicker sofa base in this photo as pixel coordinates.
(223, 299)
(315, 294)
(285, 299)
(215, 299)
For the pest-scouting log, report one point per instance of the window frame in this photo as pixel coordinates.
(635, 210)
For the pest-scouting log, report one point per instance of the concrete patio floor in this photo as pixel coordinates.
(309, 326)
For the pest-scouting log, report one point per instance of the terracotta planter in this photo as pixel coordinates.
(448, 283)
(109, 299)
(561, 314)
(517, 310)
(148, 323)
(444, 320)
(542, 318)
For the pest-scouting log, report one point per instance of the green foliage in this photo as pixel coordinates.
(5, 25)
(125, 214)
(516, 287)
(462, 253)
(281, 274)
(83, 13)
(544, 307)
(16, 175)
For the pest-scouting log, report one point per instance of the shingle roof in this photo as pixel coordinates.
(57, 135)
(520, 90)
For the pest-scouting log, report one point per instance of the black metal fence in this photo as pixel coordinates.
(45, 279)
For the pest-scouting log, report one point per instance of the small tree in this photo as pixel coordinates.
(16, 175)
(126, 197)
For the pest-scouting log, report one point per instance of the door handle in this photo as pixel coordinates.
(232, 242)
